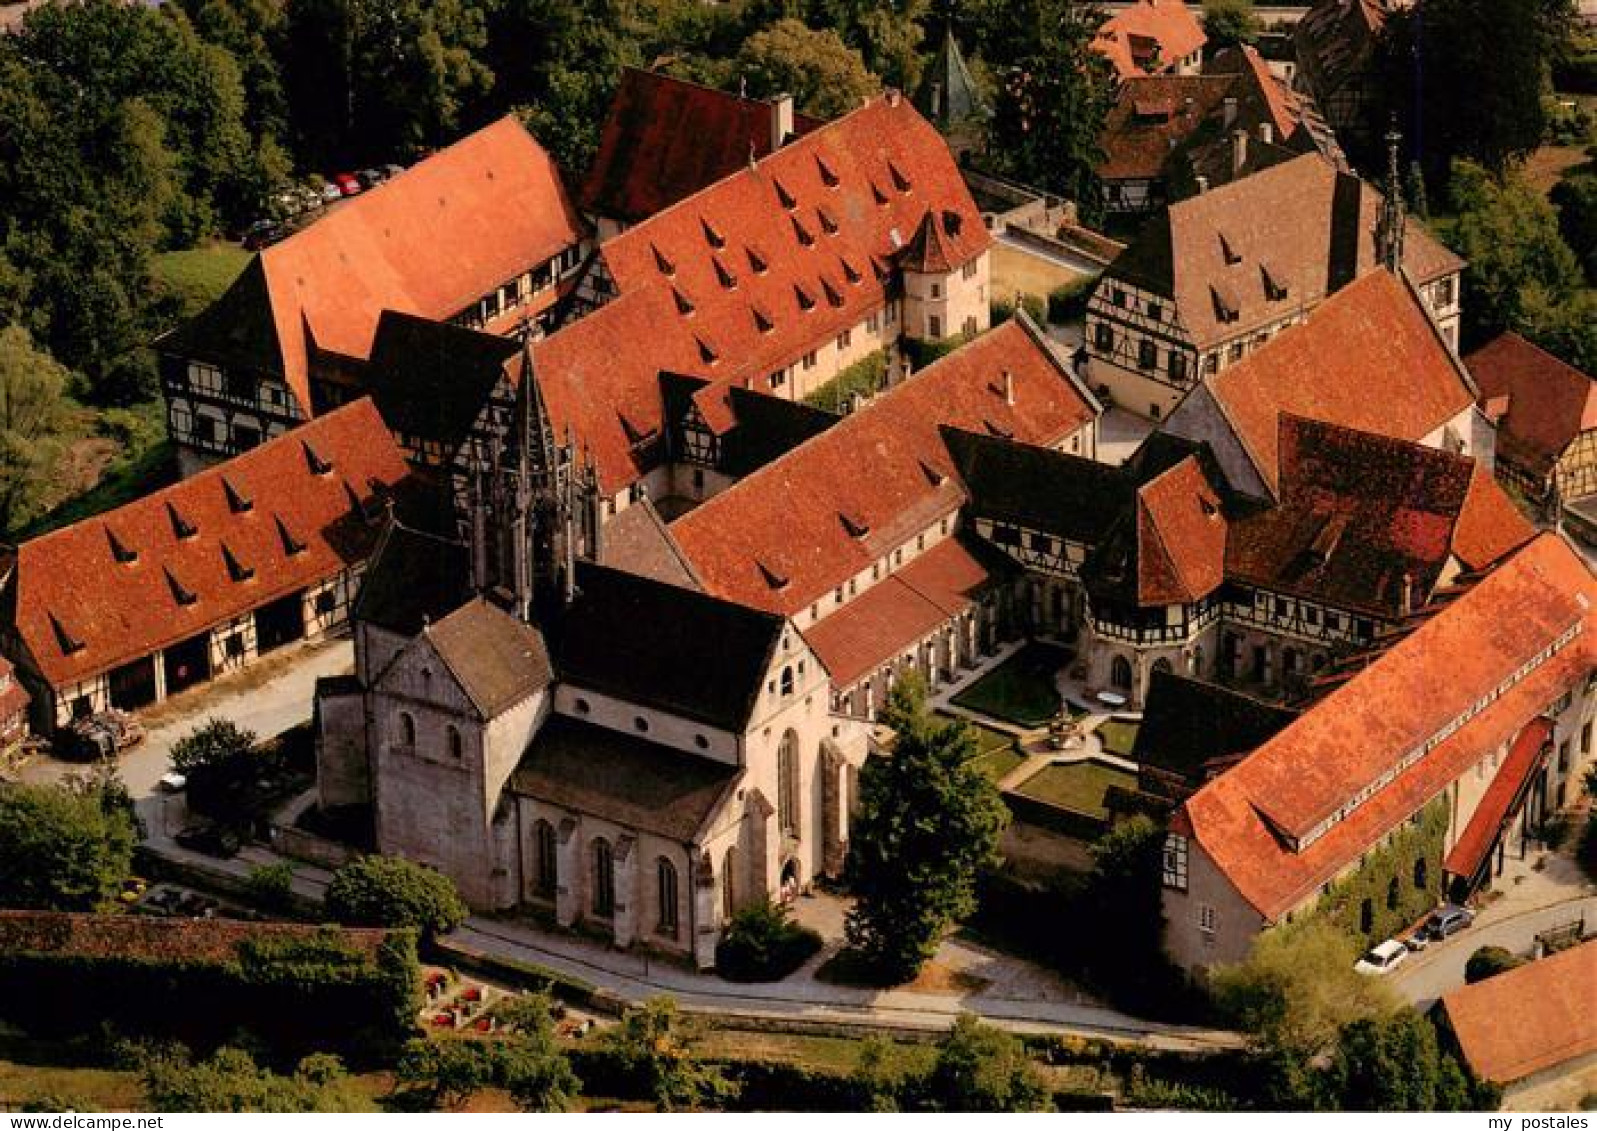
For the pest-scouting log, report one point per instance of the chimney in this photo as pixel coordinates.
(1408, 594)
(1230, 111)
(781, 120)
(1009, 388)
(1239, 152)
(937, 100)
(1266, 133)
(1203, 184)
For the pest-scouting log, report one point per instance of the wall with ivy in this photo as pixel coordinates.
(1416, 840)
(866, 376)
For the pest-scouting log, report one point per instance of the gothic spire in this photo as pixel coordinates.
(1392, 220)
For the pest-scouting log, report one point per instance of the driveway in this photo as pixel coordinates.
(268, 697)
(1439, 968)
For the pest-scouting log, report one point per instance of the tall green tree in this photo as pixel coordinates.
(825, 76)
(31, 388)
(657, 1047)
(1466, 78)
(928, 825)
(981, 1068)
(1393, 1063)
(390, 891)
(1054, 93)
(62, 849)
(1229, 23)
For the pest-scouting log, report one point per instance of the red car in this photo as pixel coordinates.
(347, 184)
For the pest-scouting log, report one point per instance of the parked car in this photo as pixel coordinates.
(370, 178)
(1447, 920)
(309, 199)
(347, 184)
(212, 840)
(1382, 958)
(331, 192)
(392, 171)
(173, 782)
(262, 233)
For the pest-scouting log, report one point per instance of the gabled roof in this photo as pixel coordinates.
(1335, 41)
(1149, 36)
(414, 577)
(1490, 525)
(947, 95)
(1189, 723)
(623, 778)
(665, 138)
(802, 525)
(430, 242)
(1368, 358)
(1038, 488)
(497, 659)
(1528, 1019)
(429, 379)
(1538, 403)
(1364, 521)
(638, 541)
(288, 514)
(684, 652)
(1263, 248)
(1167, 546)
(1461, 655)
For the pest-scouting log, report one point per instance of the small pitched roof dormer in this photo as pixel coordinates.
(773, 577)
(291, 544)
(182, 528)
(181, 593)
(121, 552)
(828, 177)
(237, 501)
(314, 461)
(236, 569)
(70, 644)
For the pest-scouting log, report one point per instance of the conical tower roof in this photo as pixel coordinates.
(948, 95)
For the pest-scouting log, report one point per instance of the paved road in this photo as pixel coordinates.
(1432, 972)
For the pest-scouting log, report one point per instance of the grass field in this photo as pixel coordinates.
(1021, 690)
(200, 275)
(1013, 269)
(137, 460)
(1077, 786)
(1118, 736)
(998, 764)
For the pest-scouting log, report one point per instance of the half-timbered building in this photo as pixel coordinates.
(1545, 413)
(1152, 37)
(1217, 275)
(203, 577)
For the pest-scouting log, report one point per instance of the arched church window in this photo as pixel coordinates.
(787, 784)
(729, 894)
(452, 737)
(1120, 673)
(604, 879)
(547, 867)
(666, 885)
(787, 681)
(407, 729)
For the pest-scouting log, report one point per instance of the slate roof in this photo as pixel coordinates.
(429, 379)
(1529, 1019)
(1367, 358)
(947, 95)
(1460, 653)
(497, 659)
(622, 778)
(665, 138)
(638, 541)
(686, 653)
(1189, 723)
(1255, 251)
(1038, 488)
(1539, 403)
(414, 577)
(1335, 41)
(429, 242)
(286, 515)
(792, 531)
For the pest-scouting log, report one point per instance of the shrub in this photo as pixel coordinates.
(213, 745)
(389, 891)
(1003, 309)
(272, 885)
(1068, 302)
(63, 850)
(763, 944)
(1488, 962)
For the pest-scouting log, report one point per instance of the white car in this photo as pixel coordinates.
(173, 782)
(1382, 958)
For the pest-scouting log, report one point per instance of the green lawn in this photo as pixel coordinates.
(1118, 736)
(998, 763)
(987, 739)
(1021, 690)
(200, 275)
(1077, 786)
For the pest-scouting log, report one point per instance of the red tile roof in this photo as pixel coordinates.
(1181, 537)
(430, 242)
(734, 313)
(1150, 36)
(802, 525)
(1544, 403)
(779, 257)
(1457, 656)
(1368, 358)
(1267, 246)
(1492, 811)
(1490, 525)
(1528, 1019)
(1153, 116)
(276, 519)
(899, 611)
(665, 138)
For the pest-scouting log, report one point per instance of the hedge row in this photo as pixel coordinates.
(298, 996)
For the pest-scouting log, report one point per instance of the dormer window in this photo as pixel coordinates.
(828, 178)
(121, 553)
(773, 578)
(828, 225)
(900, 181)
(724, 274)
(665, 265)
(832, 295)
(803, 233)
(806, 300)
(851, 273)
(762, 321)
(291, 544)
(1274, 290)
(878, 195)
(783, 195)
(181, 526)
(713, 237)
(706, 354)
(757, 262)
(855, 524)
(237, 501)
(684, 307)
(236, 569)
(181, 593)
(1227, 252)
(70, 644)
(314, 461)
